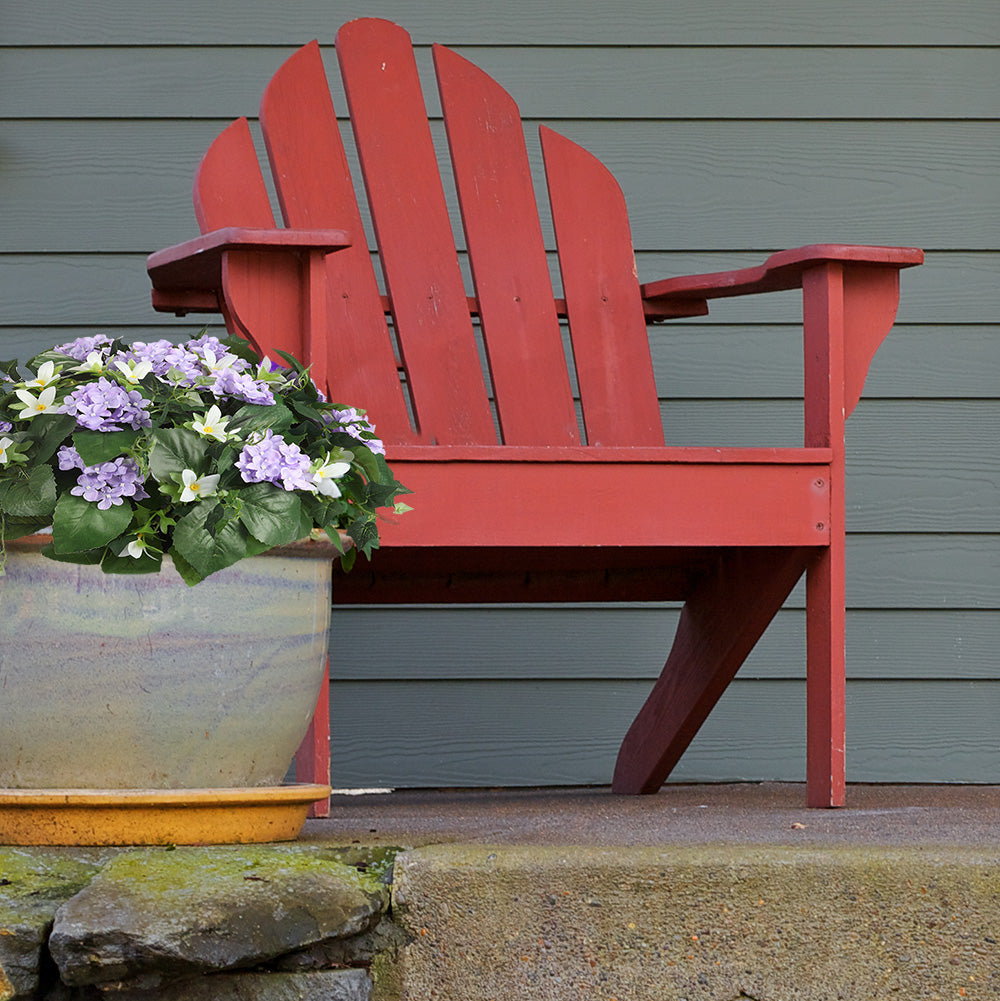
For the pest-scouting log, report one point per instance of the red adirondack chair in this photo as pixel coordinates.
(508, 490)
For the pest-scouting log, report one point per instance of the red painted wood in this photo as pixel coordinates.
(353, 354)
(825, 318)
(416, 244)
(719, 626)
(729, 531)
(312, 759)
(871, 298)
(229, 188)
(507, 255)
(606, 319)
(678, 504)
(197, 264)
(780, 272)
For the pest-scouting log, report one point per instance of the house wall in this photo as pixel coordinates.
(735, 128)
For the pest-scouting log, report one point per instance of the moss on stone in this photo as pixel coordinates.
(34, 880)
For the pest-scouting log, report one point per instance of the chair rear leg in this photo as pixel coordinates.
(719, 626)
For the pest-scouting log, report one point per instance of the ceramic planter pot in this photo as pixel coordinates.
(141, 682)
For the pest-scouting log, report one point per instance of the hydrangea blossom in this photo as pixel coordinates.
(189, 400)
(69, 458)
(106, 406)
(109, 482)
(271, 459)
(166, 358)
(83, 346)
(241, 386)
(356, 424)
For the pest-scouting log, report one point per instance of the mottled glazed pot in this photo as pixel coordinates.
(141, 682)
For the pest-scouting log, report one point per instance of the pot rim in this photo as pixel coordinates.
(309, 548)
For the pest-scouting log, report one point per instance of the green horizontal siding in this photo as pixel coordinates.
(631, 642)
(749, 82)
(519, 22)
(102, 289)
(536, 732)
(128, 182)
(735, 129)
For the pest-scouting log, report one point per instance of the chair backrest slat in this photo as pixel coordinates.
(503, 235)
(416, 244)
(229, 190)
(606, 320)
(315, 190)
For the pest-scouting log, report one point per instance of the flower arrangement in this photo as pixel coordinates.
(202, 450)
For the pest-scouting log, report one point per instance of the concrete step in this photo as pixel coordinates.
(725, 893)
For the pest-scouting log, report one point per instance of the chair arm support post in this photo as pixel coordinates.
(825, 327)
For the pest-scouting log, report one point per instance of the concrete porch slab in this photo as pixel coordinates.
(712, 892)
(740, 813)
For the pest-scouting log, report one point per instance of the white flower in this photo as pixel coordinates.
(45, 376)
(94, 363)
(196, 487)
(217, 365)
(134, 371)
(43, 403)
(324, 474)
(5, 443)
(212, 425)
(136, 548)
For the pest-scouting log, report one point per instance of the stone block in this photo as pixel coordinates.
(33, 884)
(154, 916)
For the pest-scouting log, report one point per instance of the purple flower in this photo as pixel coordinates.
(69, 458)
(6, 426)
(82, 346)
(271, 459)
(356, 424)
(165, 356)
(229, 382)
(106, 406)
(109, 482)
(198, 345)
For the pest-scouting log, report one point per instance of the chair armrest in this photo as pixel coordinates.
(778, 273)
(188, 276)
(850, 296)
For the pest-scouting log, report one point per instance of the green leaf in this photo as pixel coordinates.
(48, 432)
(348, 559)
(96, 447)
(305, 524)
(89, 558)
(189, 575)
(364, 532)
(259, 417)
(16, 528)
(293, 361)
(29, 494)
(271, 514)
(174, 450)
(79, 525)
(207, 551)
(147, 563)
(240, 347)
